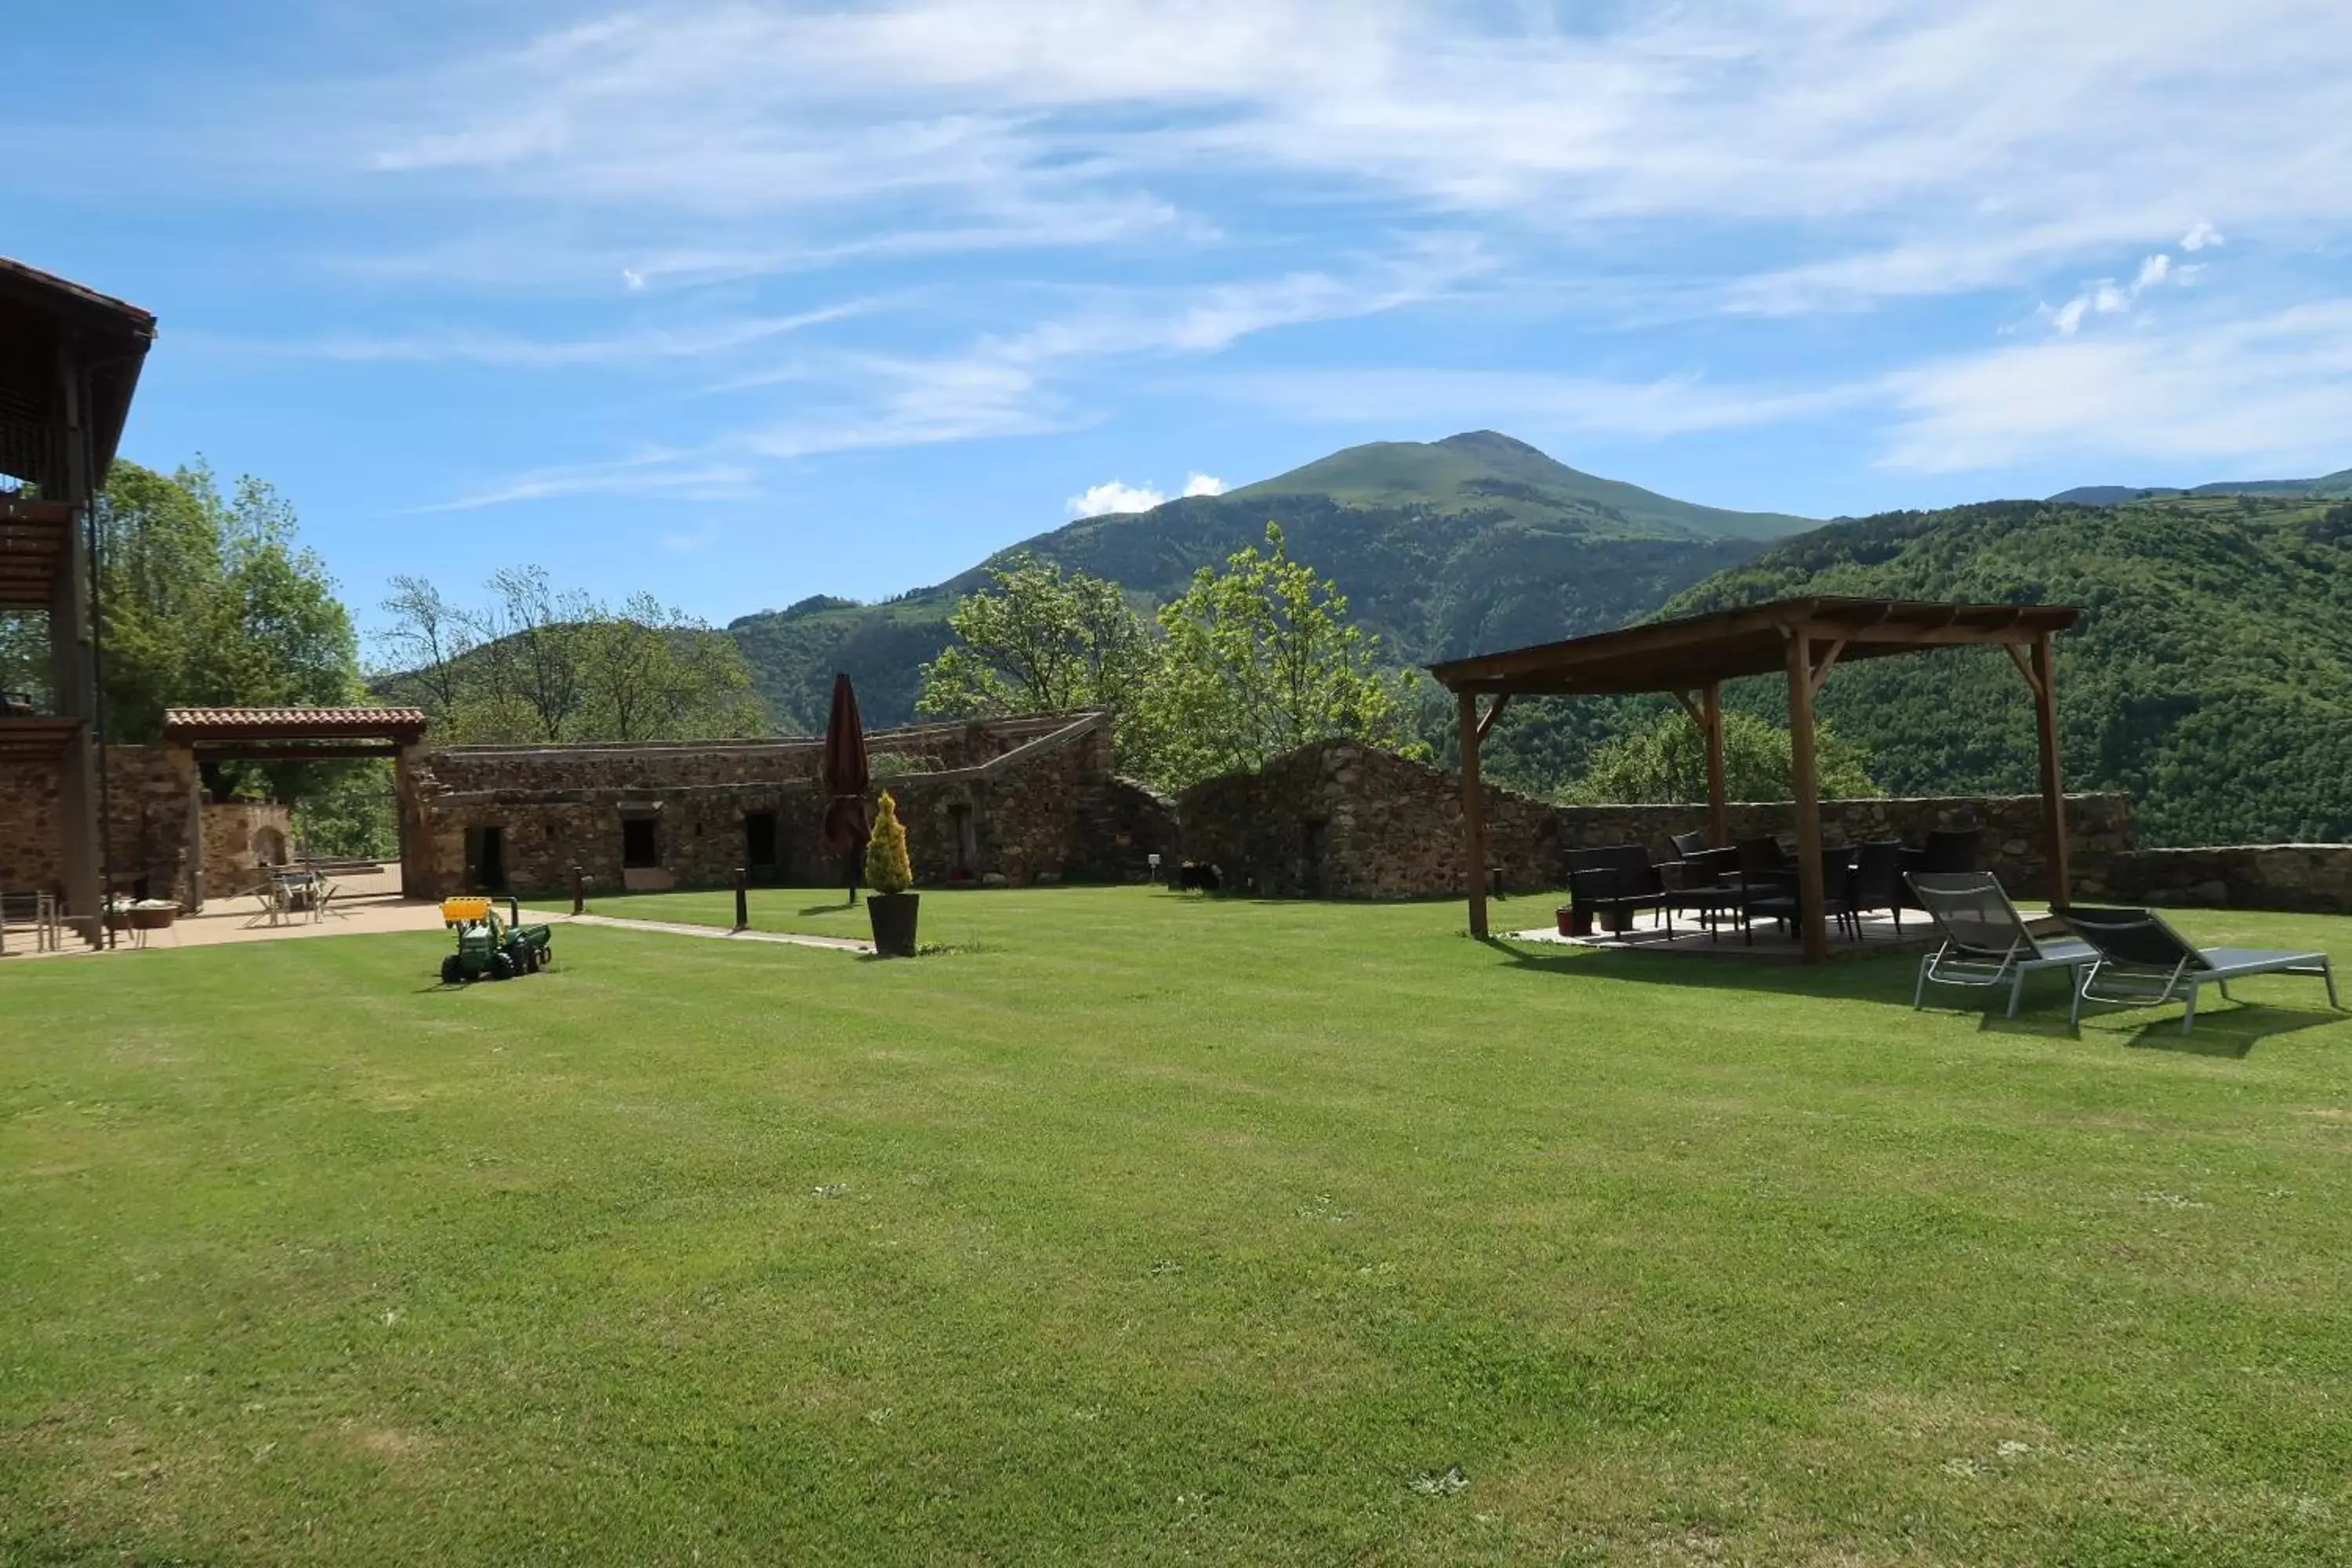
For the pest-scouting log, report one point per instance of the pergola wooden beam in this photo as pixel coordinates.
(1802, 639)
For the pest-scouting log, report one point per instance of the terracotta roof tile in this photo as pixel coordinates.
(292, 723)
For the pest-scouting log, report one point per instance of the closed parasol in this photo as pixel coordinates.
(847, 818)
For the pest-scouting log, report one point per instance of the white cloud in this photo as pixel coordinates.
(632, 279)
(1111, 496)
(2108, 298)
(2276, 390)
(1200, 484)
(2203, 234)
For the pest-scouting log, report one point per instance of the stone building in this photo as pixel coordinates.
(160, 834)
(1027, 799)
(1341, 819)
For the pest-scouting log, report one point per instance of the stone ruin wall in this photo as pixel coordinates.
(148, 790)
(2306, 878)
(1338, 819)
(1061, 813)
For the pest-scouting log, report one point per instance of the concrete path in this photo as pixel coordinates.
(671, 928)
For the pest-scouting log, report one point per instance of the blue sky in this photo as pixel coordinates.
(739, 303)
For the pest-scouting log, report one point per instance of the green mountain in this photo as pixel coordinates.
(1442, 547)
(1485, 473)
(2325, 488)
(2211, 675)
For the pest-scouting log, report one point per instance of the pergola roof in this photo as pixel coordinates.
(1695, 651)
(40, 315)
(198, 725)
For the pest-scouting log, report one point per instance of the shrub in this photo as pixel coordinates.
(887, 868)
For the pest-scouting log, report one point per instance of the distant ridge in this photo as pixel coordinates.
(2327, 487)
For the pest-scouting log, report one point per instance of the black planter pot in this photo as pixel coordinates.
(893, 915)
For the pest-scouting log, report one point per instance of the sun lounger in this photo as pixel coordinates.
(2143, 963)
(1986, 942)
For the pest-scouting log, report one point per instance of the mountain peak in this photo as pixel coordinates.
(1492, 442)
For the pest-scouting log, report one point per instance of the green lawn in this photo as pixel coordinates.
(1151, 1228)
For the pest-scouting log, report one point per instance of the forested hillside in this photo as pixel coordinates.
(1442, 547)
(2211, 675)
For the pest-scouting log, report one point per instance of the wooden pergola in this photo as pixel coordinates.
(1805, 638)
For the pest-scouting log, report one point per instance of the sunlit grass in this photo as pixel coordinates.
(1148, 1227)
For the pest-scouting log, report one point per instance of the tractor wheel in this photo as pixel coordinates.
(502, 967)
(530, 961)
(547, 956)
(452, 972)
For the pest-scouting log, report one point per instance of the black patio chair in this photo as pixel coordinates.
(1785, 903)
(1949, 851)
(1877, 881)
(2143, 963)
(1618, 881)
(1689, 844)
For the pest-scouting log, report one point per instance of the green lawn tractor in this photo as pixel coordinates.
(487, 946)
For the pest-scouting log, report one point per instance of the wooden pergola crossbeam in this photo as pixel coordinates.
(1799, 639)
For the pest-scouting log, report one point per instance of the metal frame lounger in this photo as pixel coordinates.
(2143, 963)
(1986, 942)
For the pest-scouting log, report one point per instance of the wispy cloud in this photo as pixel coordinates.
(2275, 390)
(1920, 150)
(1531, 400)
(506, 350)
(665, 472)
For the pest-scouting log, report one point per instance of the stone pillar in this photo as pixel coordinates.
(415, 876)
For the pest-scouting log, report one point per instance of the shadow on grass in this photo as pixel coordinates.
(2232, 1032)
(1884, 976)
(830, 908)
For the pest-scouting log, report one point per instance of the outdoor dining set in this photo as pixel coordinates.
(1737, 885)
(289, 895)
(2115, 957)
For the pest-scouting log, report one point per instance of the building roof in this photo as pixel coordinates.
(41, 316)
(1695, 651)
(196, 724)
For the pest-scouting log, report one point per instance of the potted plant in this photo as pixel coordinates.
(890, 906)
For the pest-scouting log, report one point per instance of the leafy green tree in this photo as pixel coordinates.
(537, 663)
(209, 600)
(1666, 760)
(1260, 660)
(1039, 641)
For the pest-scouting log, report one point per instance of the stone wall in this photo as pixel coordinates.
(1026, 799)
(32, 848)
(240, 837)
(2311, 879)
(692, 764)
(1338, 819)
(146, 802)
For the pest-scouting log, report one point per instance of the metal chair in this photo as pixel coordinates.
(1986, 942)
(2143, 963)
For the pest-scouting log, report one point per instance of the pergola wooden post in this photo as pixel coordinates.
(1474, 816)
(1719, 811)
(1799, 639)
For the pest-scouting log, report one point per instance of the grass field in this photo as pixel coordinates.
(1142, 1228)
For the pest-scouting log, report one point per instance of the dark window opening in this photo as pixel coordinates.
(967, 840)
(759, 844)
(486, 860)
(640, 847)
(1310, 859)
